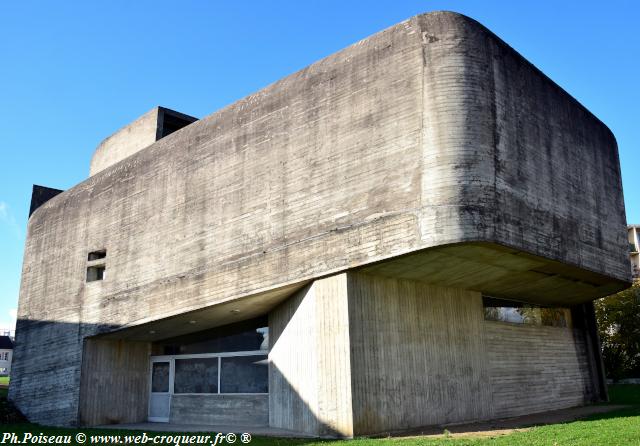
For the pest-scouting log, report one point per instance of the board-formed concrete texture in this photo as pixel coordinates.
(141, 133)
(417, 169)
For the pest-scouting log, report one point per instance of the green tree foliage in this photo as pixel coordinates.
(618, 318)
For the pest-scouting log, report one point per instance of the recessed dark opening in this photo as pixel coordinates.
(172, 123)
(95, 273)
(246, 335)
(95, 255)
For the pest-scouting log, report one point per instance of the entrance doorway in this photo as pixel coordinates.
(160, 392)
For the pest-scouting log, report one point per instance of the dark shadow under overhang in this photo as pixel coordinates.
(500, 271)
(213, 316)
(489, 268)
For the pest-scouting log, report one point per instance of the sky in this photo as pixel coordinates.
(73, 72)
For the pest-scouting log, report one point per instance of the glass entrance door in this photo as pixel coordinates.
(160, 392)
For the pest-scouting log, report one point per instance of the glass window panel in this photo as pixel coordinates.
(197, 375)
(160, 377)
(244, 374)
(519, 313)
(239, 337)
(555, 317)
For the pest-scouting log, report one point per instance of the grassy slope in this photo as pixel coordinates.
(621, 427)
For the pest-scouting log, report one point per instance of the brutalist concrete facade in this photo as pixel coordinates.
(403, 177)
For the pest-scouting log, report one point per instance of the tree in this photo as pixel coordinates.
(618, 318)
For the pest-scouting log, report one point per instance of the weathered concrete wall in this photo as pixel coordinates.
(228, 410)
(417, 355)
(535, 369)
(430, 132)
(140, 134)
(130, 139)
(424, 355)
(511, 157)
(115, 382)
(309, 361)
(45, 374)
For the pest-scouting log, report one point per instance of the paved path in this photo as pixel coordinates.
(481, 429)
(170, 427)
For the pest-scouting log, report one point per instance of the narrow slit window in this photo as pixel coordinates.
(500, 310)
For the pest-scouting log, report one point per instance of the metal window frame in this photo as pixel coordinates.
(219, 355)
(169, 393)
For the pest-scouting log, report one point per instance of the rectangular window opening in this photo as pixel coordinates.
(196, 375)
(501, 310)
(96, 255)
(96, 273)
(244, 374)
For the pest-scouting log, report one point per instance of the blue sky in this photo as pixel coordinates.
(71, 73)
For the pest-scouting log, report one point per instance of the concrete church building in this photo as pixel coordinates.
(409, 232)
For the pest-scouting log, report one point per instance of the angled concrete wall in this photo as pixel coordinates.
(413, 355)
(130, 139)
(511, 157)
(431, 132)
(45, 375)
(536, 369)
(418, 355)
(115, 382)
(136, 136)
(309, 361)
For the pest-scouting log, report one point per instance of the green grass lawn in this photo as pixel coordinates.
(620, 427)
(4, 380)
(624, 394)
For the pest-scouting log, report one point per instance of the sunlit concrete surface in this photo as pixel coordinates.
(364, 207)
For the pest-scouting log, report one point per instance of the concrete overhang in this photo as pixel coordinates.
(224, 313)
(502, 272)
(489, 268)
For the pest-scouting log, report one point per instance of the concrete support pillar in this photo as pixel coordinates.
(357, 354)
(114, 382)
(310, 369)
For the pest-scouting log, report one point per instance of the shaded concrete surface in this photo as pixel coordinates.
(40, 195)
(505, 426)
(491, 428)
(223, 428)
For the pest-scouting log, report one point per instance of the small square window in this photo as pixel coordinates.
(96, 273)
(97, 255)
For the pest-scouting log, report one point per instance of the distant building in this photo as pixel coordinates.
(634, 250)
(8, 332)
(409, 232)
(6, 355)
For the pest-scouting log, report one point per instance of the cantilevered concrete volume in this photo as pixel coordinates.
(408, 232)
